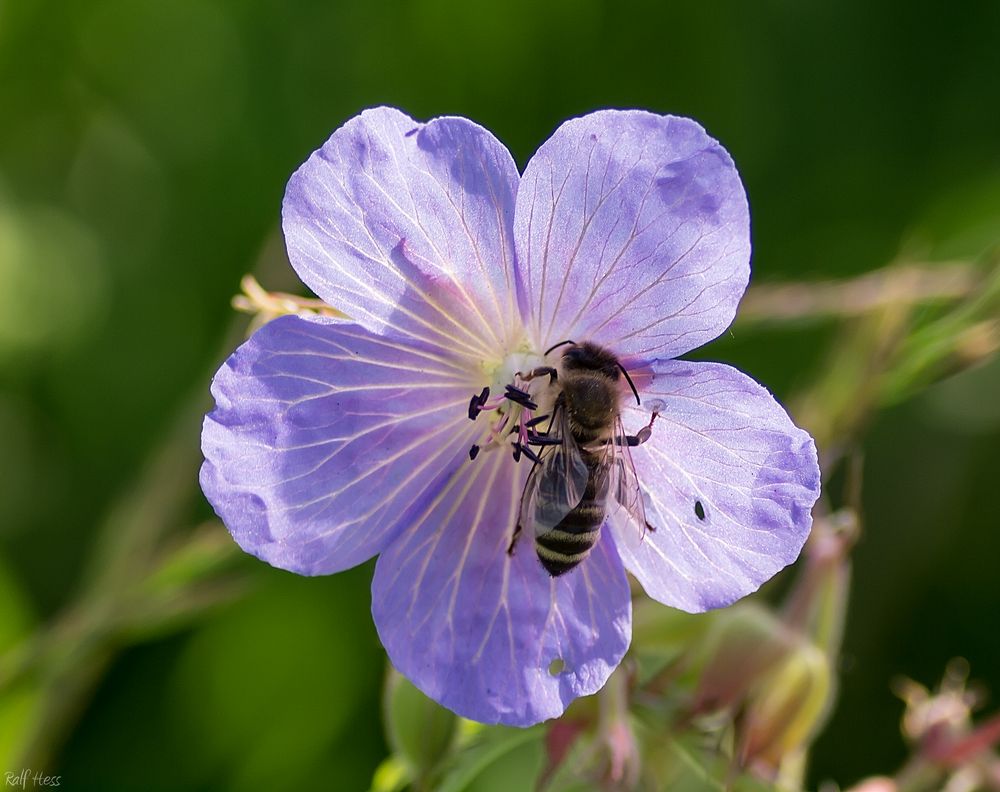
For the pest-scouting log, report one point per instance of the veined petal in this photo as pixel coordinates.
(489, 635)
(406, 227)
(323, 435)
(632, 230)
(729, 483)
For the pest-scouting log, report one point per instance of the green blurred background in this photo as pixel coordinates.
(144, 148)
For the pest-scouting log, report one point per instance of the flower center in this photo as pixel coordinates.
(520, 405)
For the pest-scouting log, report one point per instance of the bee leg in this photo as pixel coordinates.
(541, 371)
(513, 539)
(643, 434)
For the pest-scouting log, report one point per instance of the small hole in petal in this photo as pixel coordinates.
(557, 666)
(699, 510)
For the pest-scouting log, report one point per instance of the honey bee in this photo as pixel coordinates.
(585, 460)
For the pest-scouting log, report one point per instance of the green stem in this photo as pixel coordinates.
(66, 660)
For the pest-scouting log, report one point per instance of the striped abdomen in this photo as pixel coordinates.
(563, 547)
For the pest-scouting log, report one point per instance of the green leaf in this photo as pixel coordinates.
(498, 760)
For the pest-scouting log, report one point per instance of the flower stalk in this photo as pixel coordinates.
(265, 306)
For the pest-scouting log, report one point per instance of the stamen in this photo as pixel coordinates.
(478, 403)
(497, 430)
(513, 424)
(521, 397)
(529, 453)
(542, 440)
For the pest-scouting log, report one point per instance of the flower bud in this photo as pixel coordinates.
(745, 642)
(786, 705)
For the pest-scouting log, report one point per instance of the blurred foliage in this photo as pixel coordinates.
(144, 147)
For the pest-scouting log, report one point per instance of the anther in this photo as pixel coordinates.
(476, 403)
(542, 440)
(536, 420)
(529, 453)
(517, 452)
(474, 451)
(521, 397)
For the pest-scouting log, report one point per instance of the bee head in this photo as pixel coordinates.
(591, 357)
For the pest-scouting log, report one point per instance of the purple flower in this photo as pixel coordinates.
(332, 442)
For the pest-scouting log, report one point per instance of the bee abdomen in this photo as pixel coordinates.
(563, 547)
(558, 562)
(585, 516)
(567, 544)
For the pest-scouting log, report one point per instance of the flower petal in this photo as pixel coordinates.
(632, 230)
(489, 635)
(323, 434)
(407, 226)
(729, 483)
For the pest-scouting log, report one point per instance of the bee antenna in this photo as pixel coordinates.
(630, 383)
(556, 346)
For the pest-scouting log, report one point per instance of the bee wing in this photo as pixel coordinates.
(624, 481)
(556, 483)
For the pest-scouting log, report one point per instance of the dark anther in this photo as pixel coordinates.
(542, 440)
(517, 452)
(530, 454)
(521, 397)
(476, 403)
(536, 420)
(699, 510)
(473, 452)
